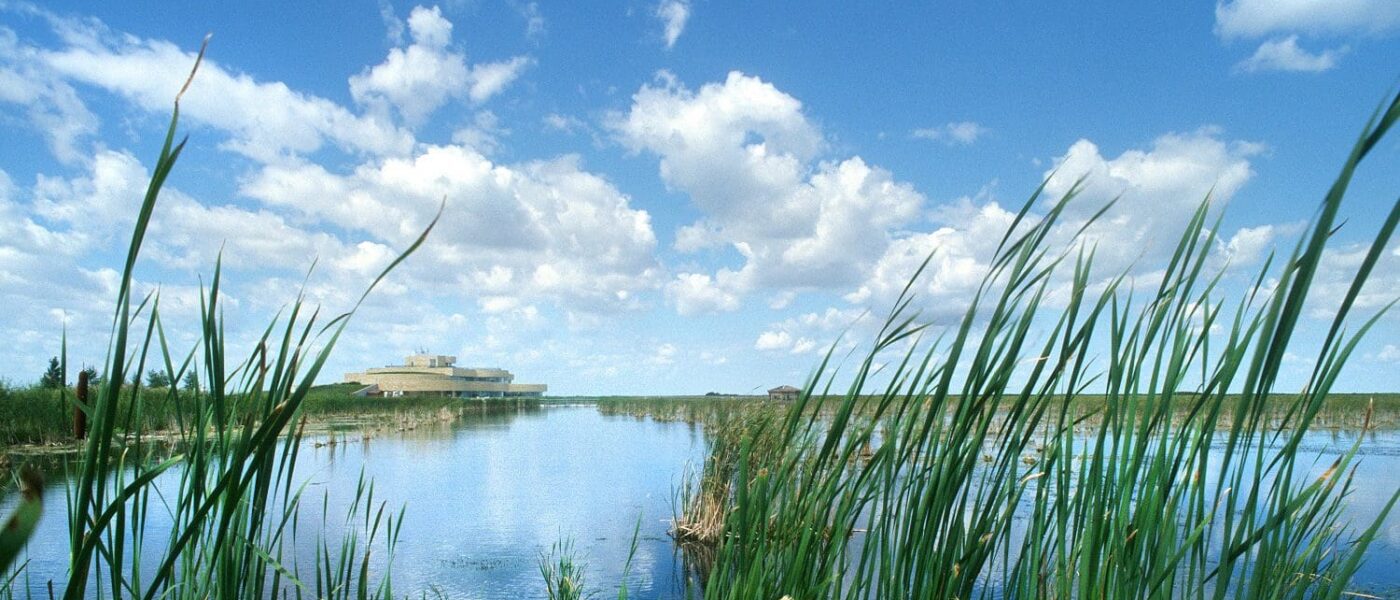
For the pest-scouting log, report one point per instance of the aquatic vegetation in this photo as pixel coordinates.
(233, 504)
(703, 501)
(562, 572)
(976, 464)
(975, 482)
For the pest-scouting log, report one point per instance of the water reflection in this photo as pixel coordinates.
(487, 491)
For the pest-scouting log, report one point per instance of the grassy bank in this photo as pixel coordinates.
(1339, 411)
(44, 416)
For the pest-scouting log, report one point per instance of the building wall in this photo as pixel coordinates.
(434, 374)
(397, 381)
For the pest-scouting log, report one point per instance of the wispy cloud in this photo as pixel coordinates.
(673, 14)
(963, 133)
(1259, 18)
(1284, 54)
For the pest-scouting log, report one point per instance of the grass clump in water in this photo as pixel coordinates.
(562, 572)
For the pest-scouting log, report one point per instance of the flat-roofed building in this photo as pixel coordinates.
(435, 375)
(784, 392)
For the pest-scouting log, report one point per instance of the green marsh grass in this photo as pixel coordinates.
(956, 471)
(563, 572)
(230, 497)
(41, 416)
(962, 475)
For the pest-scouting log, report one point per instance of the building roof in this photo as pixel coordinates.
(784, 388)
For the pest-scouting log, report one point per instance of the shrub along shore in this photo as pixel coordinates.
(37, 419)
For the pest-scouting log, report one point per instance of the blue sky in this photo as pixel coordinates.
(672, 197)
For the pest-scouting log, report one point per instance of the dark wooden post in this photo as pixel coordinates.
(80, 417)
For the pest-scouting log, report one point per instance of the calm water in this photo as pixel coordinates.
(486, 495)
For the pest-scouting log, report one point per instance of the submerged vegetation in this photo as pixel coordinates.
(976, 464)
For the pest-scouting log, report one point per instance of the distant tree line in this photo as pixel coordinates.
(155, 378)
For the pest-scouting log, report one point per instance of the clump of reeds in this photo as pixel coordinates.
(233, 506)
(562, 572)
(983, 480)
(704, 499)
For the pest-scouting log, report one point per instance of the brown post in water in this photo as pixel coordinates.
(80, 417)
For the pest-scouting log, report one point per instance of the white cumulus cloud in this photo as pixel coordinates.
(1157, 190)
(265, 120)
(419, 79)
(747, 156)
(698, 293)
(542, 229)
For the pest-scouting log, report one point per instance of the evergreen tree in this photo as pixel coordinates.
(157, 379)
(53, 377)
(92, 375)
(191, 381)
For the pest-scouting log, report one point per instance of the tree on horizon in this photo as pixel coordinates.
(53, 376)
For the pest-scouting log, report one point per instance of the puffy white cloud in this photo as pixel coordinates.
(743, 151)
(97, 204)
(959, 254)
(1336, 273)
(266, 120)
(673, 15)
(1258, 18)
(1249, 244)
(540, 229)
(1283, 20)
(698, 293)
(518, 244)
(955, 133)
(421, 78)
(1157, 191)
(1284, 54)
(773, 340)
(94, 211)
(51, 231)
(810, 331)
(429, 28)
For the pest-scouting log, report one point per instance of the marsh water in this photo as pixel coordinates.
(486, 494)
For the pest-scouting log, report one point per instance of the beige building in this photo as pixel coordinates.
(784, 392)
(435, 375)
